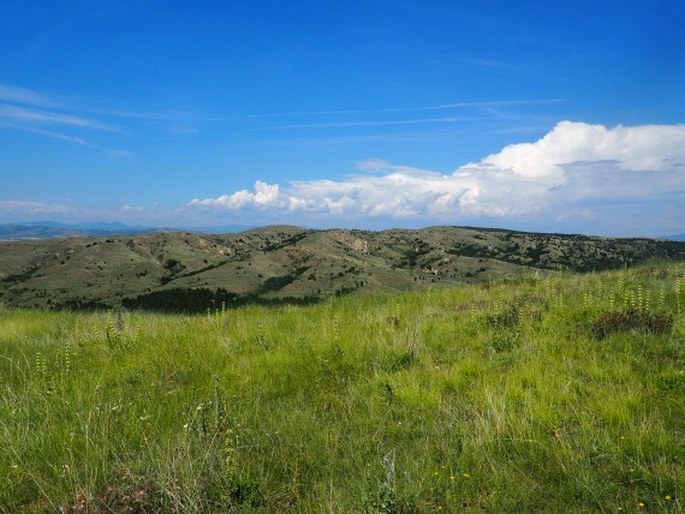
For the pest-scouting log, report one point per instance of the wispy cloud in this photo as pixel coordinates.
(32, 112)
(561, 175)
(81, 115)
(289, 114)
(477, 104)
(23, 207)
(490, 64)
(373, 123)
(174, 116)
(23, 114)
(498, 103)
(24, 96)
(475, 111)
(21, 95)
(42, 114)
(46, 133)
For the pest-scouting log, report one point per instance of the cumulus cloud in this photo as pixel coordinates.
(572, 165)
(264, 195)
(647, 147)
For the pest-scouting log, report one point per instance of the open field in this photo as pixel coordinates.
(547, 393)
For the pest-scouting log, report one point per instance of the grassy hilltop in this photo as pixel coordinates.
(560, 393)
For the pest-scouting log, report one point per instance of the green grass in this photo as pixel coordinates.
(500, 398)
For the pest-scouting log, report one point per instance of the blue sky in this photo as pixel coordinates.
(537, 115)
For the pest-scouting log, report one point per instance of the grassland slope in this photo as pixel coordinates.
(559, 393)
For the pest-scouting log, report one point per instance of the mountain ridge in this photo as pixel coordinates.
(188, 272)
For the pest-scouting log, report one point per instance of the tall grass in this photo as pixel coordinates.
(509, 397)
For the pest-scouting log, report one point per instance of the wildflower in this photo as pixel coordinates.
(465, 475)
(452, 477)
(438, 508)
(641, 505)
(668, 498)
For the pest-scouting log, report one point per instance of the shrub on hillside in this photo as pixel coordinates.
(631, 319)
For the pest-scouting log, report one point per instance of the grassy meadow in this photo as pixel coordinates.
(561, 393)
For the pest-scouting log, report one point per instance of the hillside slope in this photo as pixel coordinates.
(189, 272)
(553, 394)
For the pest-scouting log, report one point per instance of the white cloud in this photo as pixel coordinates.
(552, 178)
(264, 195)
(647, 147)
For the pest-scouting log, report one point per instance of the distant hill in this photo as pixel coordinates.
(676, 237)
(52, 229)
(181, 271)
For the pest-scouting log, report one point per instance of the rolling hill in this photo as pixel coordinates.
(188, 272)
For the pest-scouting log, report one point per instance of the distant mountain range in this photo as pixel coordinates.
(189, 272)
(52, 229)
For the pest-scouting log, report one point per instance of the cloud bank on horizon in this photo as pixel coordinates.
(576, 170)
(578, 177)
